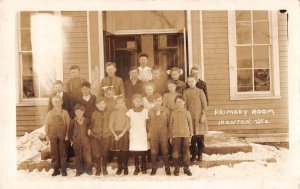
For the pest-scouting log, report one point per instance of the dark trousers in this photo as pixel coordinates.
(159, 144)
(83, 157)
(197, 140)
(58, 153)
(122, 158)
(181, 148)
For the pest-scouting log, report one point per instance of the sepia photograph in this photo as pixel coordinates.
(178, 97)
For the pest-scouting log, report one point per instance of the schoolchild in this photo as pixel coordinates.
(175, 73)
(196, 104)
(148, 99)
(195, 71)
(138, 143)
(119, 127)
(169, 97)
(87, 99)
(73, 85)
(100, 136)
(145, 74)
(159, 81)
(133, 85)
(181, 129)
(111, 80)
(81, 142)
(56, 129)
(159, 133)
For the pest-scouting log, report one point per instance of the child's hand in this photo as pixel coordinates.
(66, 138)
(202, 119)
(89, 132)
(170, 140)
(116, 138)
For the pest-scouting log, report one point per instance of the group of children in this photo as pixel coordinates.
(145, 116)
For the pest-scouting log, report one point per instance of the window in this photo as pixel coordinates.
(40, 54)
(253, 48)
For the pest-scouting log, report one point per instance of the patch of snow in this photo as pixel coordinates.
(31, 144)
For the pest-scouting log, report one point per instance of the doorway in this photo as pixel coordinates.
(165, 50)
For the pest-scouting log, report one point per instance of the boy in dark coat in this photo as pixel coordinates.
(100, 136)
(159, 133)
(56, 128)
(181, 129)
(132, 86)
(81, 143)
(87, 99)
(111, 80)
(195, 71)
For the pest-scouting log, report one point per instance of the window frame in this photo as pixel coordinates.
(274, 92)
(21, 101)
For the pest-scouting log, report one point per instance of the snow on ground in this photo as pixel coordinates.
(255, 174)
(31, 144)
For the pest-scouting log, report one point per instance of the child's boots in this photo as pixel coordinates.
(154, 166)
(55, 172)
(137, 166)
(187, 171)
(98, 167)
(176, 165)
(104, 165)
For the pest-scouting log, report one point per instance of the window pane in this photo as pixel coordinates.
(25, 40)
(262, 79)
(244, 57)
(243, 15)
(260, 15)
(243, 33)
(261, 56)
(244, 80)
(27, 75)
(25, 19)
(261, 32)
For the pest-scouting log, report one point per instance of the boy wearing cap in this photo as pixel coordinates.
(145, 74)
(78, 134)
(133, 85)
(56, 128)
(111, 80)
(87, 99)
(159, 134)
(100, 136)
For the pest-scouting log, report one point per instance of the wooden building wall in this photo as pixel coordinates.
(216, 60)
(29, 118)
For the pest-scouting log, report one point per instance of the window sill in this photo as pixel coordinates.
(33, 102)
(254, 97)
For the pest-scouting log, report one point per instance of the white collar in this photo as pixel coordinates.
(145, 68)
(60, 94)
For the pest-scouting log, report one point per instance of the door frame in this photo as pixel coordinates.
(188, 43)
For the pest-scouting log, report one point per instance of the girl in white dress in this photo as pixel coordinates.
(138, 141)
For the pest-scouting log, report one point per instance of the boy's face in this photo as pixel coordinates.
(158, 102)
(137, 102)
(180, 103)
(79, 113)
(74, 73)
(134, 74)
(191, 82)
(120, 104)
(155, 74)
(110, 70)
(196, 73)
(85, 91)
(149, 90)
(101, 105)
(171, 87)
(143, 61)
(175, 75)
(57, 103)
(58, 88)
(110, 93)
